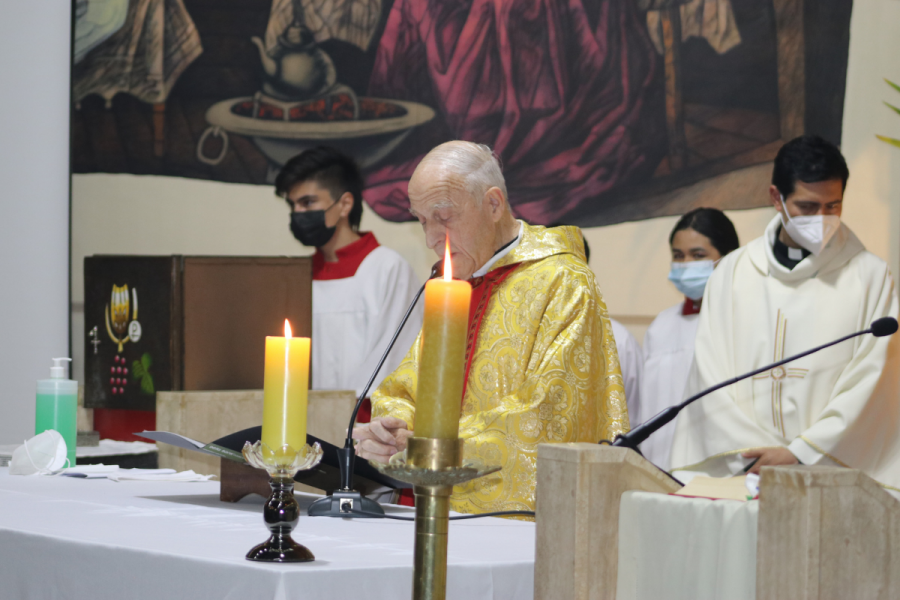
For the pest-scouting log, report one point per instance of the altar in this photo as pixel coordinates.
(95, 539)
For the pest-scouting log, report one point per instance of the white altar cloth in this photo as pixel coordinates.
(66, 538)
(677, 548)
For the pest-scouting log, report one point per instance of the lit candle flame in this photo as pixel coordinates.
(448, 268)
(287, 329)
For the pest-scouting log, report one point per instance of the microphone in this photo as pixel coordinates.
(882, 327)
(345, 501)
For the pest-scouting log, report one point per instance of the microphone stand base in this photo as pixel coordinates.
(341, 503)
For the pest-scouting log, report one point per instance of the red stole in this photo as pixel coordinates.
(482, 289)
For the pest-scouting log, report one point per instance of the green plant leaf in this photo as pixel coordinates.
(893, 85)
(893, 108)
(147, 384)
(891, 141)
(137, 370)
(141, 370)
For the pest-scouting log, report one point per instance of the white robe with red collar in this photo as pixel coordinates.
(355, 317)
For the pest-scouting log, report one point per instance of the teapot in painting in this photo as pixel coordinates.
(295, 67)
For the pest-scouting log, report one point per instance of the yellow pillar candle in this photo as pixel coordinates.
(441, 364)
(285, 391)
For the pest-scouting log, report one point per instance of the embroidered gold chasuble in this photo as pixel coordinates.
(543, 368)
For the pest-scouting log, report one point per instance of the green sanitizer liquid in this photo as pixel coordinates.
(57, 407)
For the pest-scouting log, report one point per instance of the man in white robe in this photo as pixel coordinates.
(361, 289)
(806, 282)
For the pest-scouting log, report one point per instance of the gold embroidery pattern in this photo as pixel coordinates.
(544, 369)
(778, 374)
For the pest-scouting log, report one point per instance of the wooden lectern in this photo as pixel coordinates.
(822, 532)
(828, 533)
(577, 516)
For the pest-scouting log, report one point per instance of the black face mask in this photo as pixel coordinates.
(309, 227)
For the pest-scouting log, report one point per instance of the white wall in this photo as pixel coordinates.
(160, 215)
(34, 206)
(872, 200)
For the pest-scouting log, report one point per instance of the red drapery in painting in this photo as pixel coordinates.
(567, 92)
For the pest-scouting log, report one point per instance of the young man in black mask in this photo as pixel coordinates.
(360, 289)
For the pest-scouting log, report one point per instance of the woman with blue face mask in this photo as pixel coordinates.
(698, 241)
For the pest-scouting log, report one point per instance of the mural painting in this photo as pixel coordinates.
(596, 108)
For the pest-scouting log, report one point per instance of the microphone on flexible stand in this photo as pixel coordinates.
(346, 501)
(882, 327)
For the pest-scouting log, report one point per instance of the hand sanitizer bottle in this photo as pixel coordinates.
(57, 406)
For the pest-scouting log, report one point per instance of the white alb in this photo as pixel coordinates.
(839, 406)
(355, 317)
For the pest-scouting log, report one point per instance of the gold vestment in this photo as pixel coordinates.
(544, 369)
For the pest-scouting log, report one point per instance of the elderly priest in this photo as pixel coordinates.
(541, 363)
(807, 281)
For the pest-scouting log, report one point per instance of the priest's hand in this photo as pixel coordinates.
(770, 457)
(382, 438)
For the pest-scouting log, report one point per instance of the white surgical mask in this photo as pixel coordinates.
(813, 232)
(690, 277)
(45, 454)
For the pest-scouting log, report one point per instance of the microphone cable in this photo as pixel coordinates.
(502, 513)
(436, 271)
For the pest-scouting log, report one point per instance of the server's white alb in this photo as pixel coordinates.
(631, 362)
(831, 407)
(355, 317)
(668, 352)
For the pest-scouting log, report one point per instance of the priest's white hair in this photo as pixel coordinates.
(475, 164)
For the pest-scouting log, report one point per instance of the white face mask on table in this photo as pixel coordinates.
(43, 454)
(812, 232)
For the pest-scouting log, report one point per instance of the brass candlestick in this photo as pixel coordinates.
(433, 466)
(282, 512)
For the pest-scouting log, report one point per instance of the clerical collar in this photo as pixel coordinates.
(788, 257)
(503, 251)
(348, 259)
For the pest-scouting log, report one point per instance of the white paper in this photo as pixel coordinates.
(90, 471)
(114, 448)
(157, 475)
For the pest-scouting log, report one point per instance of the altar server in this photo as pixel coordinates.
(698, 241)
(541, 365)
(807, 281)
(360, 289)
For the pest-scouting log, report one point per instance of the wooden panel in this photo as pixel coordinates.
(112, 379)
(578, 491)
(230, 306)
(826, 533)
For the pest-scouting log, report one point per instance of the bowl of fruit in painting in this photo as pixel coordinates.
(367, 128)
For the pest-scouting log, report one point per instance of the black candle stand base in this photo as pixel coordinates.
(281, 549)
(281, 514)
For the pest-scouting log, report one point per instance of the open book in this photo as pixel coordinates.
(718, 488)
(324, 476)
